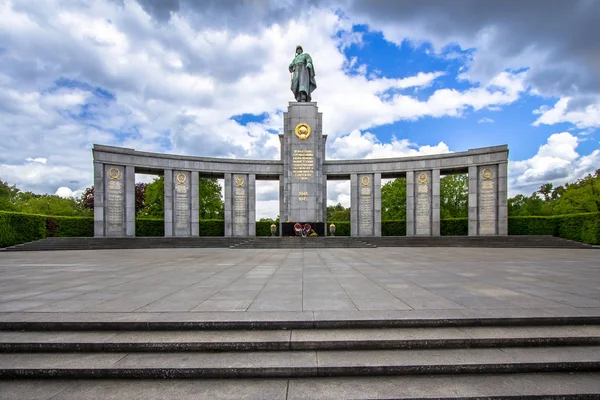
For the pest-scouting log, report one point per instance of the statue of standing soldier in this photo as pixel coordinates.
(303, 76)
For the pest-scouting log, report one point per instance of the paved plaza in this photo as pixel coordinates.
(442, 281)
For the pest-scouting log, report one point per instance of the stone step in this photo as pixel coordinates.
(499, 386)
(146, 322)
(278, 364)
(318, 339)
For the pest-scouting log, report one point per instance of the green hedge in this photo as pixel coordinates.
(578, 227)
(212, 227)
(454, 227)
(69, 226)
(263, 228)
(342, 228)
(149, 227)
(393, 228)
(16, 228)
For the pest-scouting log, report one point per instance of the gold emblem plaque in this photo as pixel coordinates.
(239, 181)
(181, 178)
(302, 131)
(422, 178)
(487, 173)
(114, 173)
(365, 180)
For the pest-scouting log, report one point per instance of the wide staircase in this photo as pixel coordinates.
(91, 243)
(536, 357)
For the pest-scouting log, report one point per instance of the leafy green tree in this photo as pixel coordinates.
(580, 197)
(454, 196)
(338, 213)
(8, 195)
(47, 204)
(393, 200)
(210, 200)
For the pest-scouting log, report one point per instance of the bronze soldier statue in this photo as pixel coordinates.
(303, 76)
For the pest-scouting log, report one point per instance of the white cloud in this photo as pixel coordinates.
(66, 192)
(588, 117)
(40, 160)
(486, 120)
(556, 162)
(359, 145)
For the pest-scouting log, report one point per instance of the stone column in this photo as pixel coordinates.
(423, 203)
(410, 203)
(240, 211)
(114, 200)
(182, 202)
(302, 150)
(227, 206)
(435, 203)
(487, 200)
(377, 204)
(473, 185)
(168, 206)
(251, 205)
(195, 204)
(117, 196)
(282, 199)
(503, 199)
(364, 204)
(99, 226)
(354, 212)
(129, 201)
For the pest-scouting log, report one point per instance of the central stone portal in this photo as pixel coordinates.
(303, 191)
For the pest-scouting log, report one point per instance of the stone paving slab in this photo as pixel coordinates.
(152, 284)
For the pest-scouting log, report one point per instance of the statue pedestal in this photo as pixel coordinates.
(303, 191)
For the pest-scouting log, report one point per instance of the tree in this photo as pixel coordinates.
(47, 204)
(454, 196)
(87, 197)
(580, 197)
(8, 195)
(393, 200)
(209, 199)
(338, 213)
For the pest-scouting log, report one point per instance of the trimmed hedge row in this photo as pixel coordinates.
(18, 228)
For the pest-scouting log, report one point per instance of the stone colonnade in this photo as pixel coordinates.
(302, 173)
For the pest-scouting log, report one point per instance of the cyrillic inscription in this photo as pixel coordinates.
(303, 164)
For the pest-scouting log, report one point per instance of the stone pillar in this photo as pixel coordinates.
(473, 185)
(195, 204)
(435, 203)
(377, 204)
(423, 203)
(99, 226)
(303, 152)
(227, 205)
(487, 200)
(115, 216)
(181, 202)
(354, 212)
(503, 199)
(129, 201)
(282, 199)
(168, 206)
(410, 203)
(240, 201)
(363, 204)
(251, 206)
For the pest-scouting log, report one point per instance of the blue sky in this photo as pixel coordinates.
(209, 78)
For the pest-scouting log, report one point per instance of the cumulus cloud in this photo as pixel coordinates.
(557, 161)
(588, 117)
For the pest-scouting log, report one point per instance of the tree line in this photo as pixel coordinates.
(582, 196)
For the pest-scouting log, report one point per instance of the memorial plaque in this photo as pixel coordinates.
(240, 206)
(115, 201)
(423, 203)
(487, 202)
(365, 207)
(181, 204)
